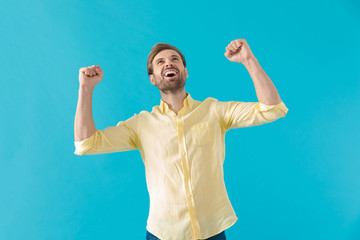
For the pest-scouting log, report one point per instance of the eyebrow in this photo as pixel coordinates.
(163, 58)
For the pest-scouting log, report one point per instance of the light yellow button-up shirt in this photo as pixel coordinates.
(183, 156)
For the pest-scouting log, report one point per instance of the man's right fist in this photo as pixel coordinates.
(90, 76)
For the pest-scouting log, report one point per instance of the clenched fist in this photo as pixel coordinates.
(89, 77)
(238, 51)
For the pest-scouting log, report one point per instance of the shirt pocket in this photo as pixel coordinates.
(201, 133)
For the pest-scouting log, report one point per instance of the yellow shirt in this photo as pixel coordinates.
(183, 156)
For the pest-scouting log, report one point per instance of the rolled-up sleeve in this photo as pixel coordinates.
(247, 114)
(122, 137)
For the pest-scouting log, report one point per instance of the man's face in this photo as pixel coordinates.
(169, 73)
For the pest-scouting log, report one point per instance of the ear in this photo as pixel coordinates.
(186, 73)
(152, 79)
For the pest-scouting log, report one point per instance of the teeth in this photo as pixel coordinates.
(167, 73)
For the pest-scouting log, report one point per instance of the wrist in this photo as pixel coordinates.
(85, 92)
(86, 89)
(251, 63)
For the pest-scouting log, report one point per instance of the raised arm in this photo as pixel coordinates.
(84, 125)
(239, 51)
(88, 139)
(246, 114)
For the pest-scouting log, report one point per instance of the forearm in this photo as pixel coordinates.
(265, 89)
(84, 125)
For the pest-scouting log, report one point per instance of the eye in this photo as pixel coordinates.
(175, 58)
(159, 62)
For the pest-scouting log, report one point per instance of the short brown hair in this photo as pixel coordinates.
(158, 48)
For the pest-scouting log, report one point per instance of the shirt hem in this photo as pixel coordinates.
(223, 228)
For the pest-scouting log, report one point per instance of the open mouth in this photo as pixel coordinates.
(170, 74)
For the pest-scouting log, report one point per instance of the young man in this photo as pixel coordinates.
(181, 142)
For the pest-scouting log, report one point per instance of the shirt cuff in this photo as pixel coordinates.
(263, 107)
(81, 147)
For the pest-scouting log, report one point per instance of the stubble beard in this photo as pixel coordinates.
(171, 86)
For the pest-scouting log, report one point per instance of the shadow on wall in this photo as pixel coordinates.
(355, 3)
(353, 6)
(355, 229)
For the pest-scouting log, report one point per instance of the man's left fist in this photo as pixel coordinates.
(238, 51)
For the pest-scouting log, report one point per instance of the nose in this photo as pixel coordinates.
(168, 63)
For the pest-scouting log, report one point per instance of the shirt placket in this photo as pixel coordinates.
(194, 223)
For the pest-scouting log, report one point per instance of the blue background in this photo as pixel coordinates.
(295, 178)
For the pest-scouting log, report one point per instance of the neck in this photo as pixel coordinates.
(175, 100)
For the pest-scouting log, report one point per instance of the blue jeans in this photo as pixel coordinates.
(220, 236)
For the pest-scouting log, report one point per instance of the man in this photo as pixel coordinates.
(181, 142)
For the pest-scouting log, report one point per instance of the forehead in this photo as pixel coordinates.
(166, 54)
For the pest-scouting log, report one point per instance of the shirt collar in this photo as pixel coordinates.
(188, 101)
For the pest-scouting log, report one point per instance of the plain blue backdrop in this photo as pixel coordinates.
(295, 178)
